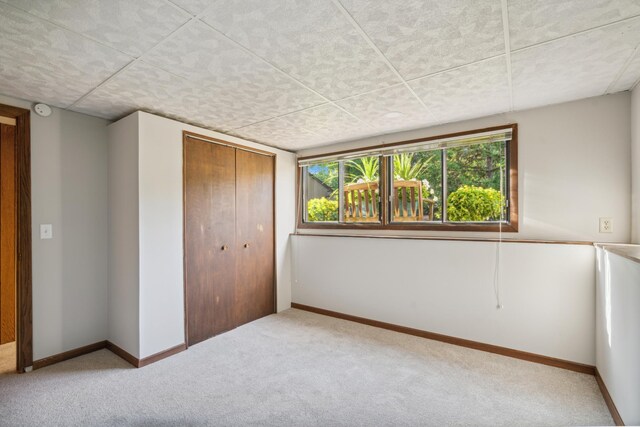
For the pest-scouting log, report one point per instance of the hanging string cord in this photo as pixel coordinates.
(496, 273)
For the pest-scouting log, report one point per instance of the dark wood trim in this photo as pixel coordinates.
(385, 181)
(506, 228)
(61, 357)
(184, 240)
(118, 351)
(384, 145)
(448, 239)
(510, 227)
(504, 351)
(275, 237)
(223, 142)
(24, 320)
(161, 355)
(608, 400)
(513, 181)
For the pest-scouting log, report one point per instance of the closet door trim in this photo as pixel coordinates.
(192, 135)
(187, 134)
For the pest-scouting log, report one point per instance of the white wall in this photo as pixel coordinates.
(618, 332)
(635, 163)
(574, 167)
(68, 190)
(161, 242)
(447, 287)
(124, 301)
(160, 204)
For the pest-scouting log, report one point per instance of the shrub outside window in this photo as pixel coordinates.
(465, 181)
(345, 191)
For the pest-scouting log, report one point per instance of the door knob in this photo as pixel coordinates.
(225, 247)
(246, 245)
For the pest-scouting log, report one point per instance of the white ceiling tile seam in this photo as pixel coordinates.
(62, 27)
(370, 42)
(507, 48)
(130, 64)
(275, 67)
(623, 69)
(577, 33)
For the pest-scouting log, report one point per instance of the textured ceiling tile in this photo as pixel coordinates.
(327, 120)
(200, 54)
(39, 61)
(194, 7)
(303, 129)
(388, 109)
(129, 26)
(279, 133)
(309, 39)
(629, 77)
(537, 21)
(144, 87)
(425, 36)
(474, 90)
(572, 68)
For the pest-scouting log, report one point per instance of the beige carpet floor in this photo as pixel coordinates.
(8, 358)
(299, 368)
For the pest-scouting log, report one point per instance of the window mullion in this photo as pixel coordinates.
(507, 182)
(341, 191)
(303, 189)
(383, 189)
(443, 162)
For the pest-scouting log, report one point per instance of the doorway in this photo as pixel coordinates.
(8, 359)
(16, 352)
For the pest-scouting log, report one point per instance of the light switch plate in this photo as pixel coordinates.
(46, 231)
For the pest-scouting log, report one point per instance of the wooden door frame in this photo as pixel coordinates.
(24, 312)
(185, 135)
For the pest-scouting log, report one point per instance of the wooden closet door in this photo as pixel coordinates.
(7, 234)
(255, 293)
(210, 244)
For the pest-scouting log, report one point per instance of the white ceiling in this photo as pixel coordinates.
(300, 73)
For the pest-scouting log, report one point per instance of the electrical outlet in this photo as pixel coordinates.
(606, 225)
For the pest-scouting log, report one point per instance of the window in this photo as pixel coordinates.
(342, 191)
(464, 181)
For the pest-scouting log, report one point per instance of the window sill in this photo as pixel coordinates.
(442, 238)
(505, 228)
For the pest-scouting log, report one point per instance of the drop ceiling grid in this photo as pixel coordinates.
(541, 73)
(119, 24)
(269, 92)
(236, 76)
(55, 57)
(284, 73)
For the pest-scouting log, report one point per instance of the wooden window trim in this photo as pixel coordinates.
(386, 224)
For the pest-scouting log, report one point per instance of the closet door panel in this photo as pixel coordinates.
(255, 236)
(209, 238)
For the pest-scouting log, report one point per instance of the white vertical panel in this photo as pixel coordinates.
(635, 165)
(618, 332)
(447, 287)
(124, 272)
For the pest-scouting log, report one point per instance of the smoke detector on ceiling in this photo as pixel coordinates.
(42, 110)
